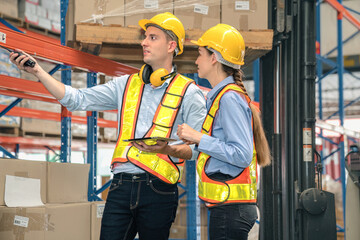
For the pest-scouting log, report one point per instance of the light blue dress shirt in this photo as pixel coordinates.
(231, 143)
(109, 96)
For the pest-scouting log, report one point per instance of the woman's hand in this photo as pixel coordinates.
(188, 135)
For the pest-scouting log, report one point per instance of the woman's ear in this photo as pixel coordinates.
(213, 58)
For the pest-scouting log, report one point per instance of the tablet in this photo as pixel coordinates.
(149, 138)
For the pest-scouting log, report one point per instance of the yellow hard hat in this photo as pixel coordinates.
(168, 22)
(226, 40)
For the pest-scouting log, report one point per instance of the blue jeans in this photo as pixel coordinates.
(140, 204)
(231, 222)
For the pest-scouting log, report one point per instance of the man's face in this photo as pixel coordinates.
(156, 46)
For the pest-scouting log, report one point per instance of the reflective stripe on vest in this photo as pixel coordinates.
(157, 164)
(240, 189)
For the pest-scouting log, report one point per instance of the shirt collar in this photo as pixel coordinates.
(212, 94)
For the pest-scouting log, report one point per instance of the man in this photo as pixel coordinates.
(143, 196)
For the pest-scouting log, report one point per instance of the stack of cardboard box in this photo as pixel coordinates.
(194, 14)
(66, 214)
(44, 13)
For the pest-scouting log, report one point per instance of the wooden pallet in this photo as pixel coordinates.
(9, 131)
(122, 44)
(38, 134)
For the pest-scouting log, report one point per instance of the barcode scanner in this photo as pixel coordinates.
(28, 63)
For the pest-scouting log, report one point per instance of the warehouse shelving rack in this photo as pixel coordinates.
(336, 67)
(45, 48)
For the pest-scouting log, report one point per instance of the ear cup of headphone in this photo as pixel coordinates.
(158, 77)
(145, 73)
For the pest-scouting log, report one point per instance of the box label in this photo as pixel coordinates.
(151, 4)
(21, 221)
(100, 210)
(202, 9)
(2, 37)
(242, 5)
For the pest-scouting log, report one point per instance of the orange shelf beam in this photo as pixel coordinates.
(53, 116)
(62, 54)
(22, 88)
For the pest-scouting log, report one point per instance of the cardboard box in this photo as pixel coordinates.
(51, 222)
(246, 14)
(104, 12)
(22, 168)
(97, 209)
(27, 9)
(67, 182)
(69, 221)
(22, 223)
(30, 126)
(9, 7)
(136, 10)
(198, 14)
(92, 11)
(33, 125)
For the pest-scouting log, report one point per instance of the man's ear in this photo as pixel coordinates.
(172, 46)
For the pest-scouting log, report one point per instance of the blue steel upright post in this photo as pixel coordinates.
(192, 210)
(92, 139)
(340, 63)
(65, 153)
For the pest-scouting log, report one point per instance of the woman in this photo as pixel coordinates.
(232, 141)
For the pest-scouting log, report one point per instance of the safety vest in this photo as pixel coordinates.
(241, 189)
(157, 164)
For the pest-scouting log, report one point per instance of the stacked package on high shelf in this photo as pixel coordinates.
(136, 10)
(61, 209)
(9, 8)
(44, 13)
(194, 14)
(8, 123)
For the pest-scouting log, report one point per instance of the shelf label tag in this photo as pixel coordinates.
(2, 37)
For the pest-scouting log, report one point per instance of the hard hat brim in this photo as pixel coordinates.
(143, 22)
(197, 43)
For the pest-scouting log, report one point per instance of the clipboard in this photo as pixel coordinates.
(150, 138)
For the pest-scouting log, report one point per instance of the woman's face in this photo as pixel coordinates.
(204, 62)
